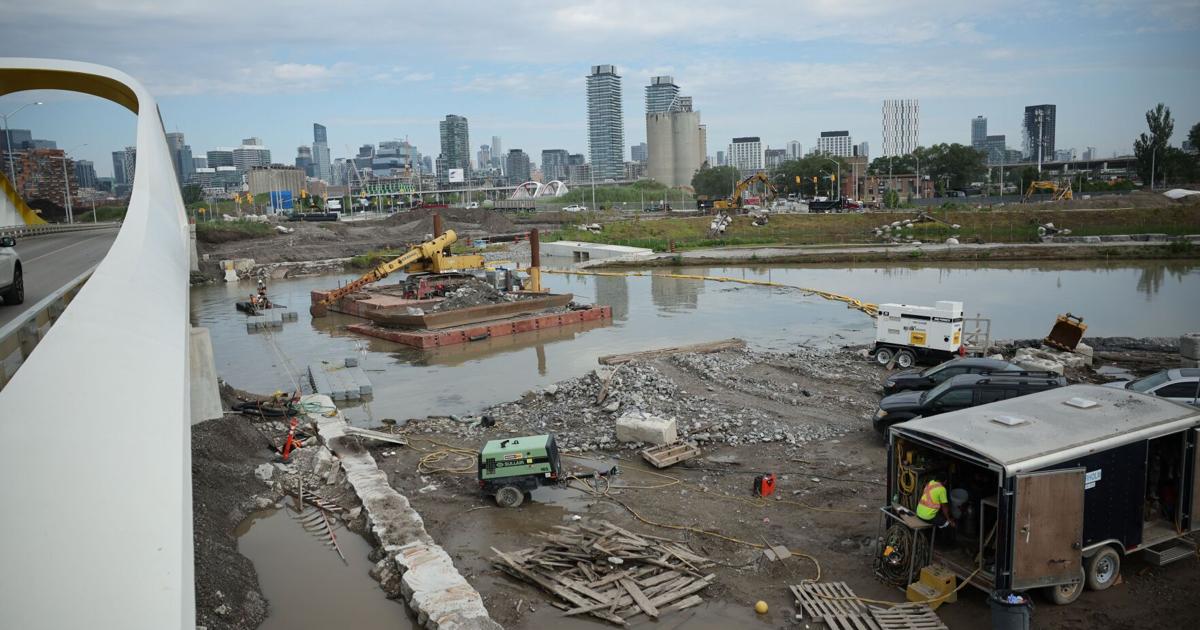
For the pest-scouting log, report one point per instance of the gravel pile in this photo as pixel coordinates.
(570, 410)
(473, 293)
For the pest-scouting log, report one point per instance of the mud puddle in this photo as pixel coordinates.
(307, 585)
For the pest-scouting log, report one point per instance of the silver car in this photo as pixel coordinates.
(1178, 384)
(12, 282)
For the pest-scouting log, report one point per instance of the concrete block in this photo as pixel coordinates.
(1085, 351)
(1091, 239)
(1116, 238)
(205, 394)
(351, 362)
(1189, 345)
(637, 426)
(1039, 365)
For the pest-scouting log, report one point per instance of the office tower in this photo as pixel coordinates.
(322, 165)
(516, 167)
(85, 173)
(304, 161)
(124, 166)
(252, 153)
(606, 124)
(554, 164)
(979, 133)
(220, 157)
(662, 95)
(795, 150)
(745, 154)
(995, 146)
(637, 152)
(835, 143)
(1038, 132)
(456, 145)
(901, 126)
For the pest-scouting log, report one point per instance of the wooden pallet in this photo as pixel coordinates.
(907, 617)
(826, 602)
(670, 454)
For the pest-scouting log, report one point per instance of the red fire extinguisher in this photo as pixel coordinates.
(764, 485)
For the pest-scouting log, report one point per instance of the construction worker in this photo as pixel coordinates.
(934, 506)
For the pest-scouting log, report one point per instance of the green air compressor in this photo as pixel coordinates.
(511, 467)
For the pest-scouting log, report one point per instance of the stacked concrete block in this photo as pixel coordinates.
(637, 426)
(270, 318)
(339, 381)
(1189, 349)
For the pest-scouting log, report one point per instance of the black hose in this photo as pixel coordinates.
(261, 409)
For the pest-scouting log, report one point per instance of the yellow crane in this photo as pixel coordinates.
(735, 200)
(428, 257)
(1057, 192)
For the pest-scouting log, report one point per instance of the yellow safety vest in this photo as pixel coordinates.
(929, 506)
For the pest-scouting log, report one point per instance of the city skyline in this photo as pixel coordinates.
(960, 61)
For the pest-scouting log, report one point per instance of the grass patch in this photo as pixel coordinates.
(103, 213)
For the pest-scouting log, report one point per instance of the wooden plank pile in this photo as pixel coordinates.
(609, 572)
(836, 606)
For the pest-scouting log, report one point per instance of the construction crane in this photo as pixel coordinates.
(735, 200)
(1057, 192)
(429, 257)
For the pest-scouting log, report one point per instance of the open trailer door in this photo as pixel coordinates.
(1047, 528)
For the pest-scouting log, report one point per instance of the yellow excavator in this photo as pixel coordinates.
(734, 202)
(430, 257)
(1057, 192)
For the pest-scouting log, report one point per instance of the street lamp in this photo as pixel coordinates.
(12, 174)
(839, 177)
(67, 184)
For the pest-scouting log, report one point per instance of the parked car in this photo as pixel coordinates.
(575, 208)
(921, 379)
(1177, 384)
(12, 282)
(961, 392)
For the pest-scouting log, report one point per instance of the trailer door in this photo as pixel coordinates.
(1047, 528)
(1194, 513)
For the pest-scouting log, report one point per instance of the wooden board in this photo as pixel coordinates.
(831, 603)
(1048, 528)
(670, 454)
(712, 346)
(907, 617)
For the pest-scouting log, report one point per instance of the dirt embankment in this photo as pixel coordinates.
(804, 415)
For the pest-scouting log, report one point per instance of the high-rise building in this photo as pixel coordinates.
(219, 157)
(746, 154)
(85, 173)
(322, 165)
(456, 145)
(1089, 153)
(996, 147)
(637, 152)
(304, 161)
(554, 164)
(835, 143)
(252, 153)
(199, 162)
(863, 149)
(516, 166)
(1064, 155)
(394, 158)
(181, 157)
(662, 95)
(606, 123)
(1038, 131)
(45, 174)
(497, 154)
(774, 157)
(124, 165)
(979, 133)
(720, 158)
(795, 150)
(17, 139)
(901, 126)
(484, 158)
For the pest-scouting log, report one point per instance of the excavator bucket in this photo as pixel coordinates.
(1066, 333)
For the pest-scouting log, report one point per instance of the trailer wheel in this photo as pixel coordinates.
(1063, 594)
(883, 356)
(1102, 568)
(509, 497)
(905, 359)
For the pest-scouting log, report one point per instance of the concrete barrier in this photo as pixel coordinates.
(637, 426)
(206, 394)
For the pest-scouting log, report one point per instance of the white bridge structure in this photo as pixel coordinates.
(95, 424)
(534, 190)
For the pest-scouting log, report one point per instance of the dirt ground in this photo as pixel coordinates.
(794, 414)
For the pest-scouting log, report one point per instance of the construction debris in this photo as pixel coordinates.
(340, 380)
(836, 605)
(670, 454)
(732, 343)
(609, 572)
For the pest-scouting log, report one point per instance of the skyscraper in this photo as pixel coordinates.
(219, 157)
(996, 148)
(497, 154)
(554, 164)
(979, 133)
(85, 173)
(835, 143)
(322, 166)
(637, 152)
(901, 126)
(181, 157)
(516, 166)
(124, 165)
(662, 95)
(1038, 131)
(606, 124)
(746, 154)
(795, 150)
(720, 158)
(304, 160)
(483, 159)
(456, 145)
(252, 153)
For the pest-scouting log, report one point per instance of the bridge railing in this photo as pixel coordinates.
(94, 426)
(25, 231)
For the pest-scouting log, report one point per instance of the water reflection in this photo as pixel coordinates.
(671, 295)
(613, 291)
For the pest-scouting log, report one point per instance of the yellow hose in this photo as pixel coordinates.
(866, 307)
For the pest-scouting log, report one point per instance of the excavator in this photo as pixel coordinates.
(427, 261)
(1057, 192)
(734, 202)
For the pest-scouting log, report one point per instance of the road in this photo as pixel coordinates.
(49, 262)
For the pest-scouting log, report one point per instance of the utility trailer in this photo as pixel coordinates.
(918, 334)
(1053, 489)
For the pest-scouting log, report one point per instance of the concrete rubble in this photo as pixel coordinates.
(639, 427)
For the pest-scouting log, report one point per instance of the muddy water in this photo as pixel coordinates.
(307, 585)
(1129, 298)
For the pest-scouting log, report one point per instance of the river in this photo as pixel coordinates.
(1138, 299)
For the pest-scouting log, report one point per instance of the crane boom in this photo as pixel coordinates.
(424, 251)
(735, 200)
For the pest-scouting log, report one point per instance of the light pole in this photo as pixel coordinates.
(12, 173)
(67, 184)
(839, 177)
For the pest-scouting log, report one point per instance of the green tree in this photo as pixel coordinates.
(715, 182)
(1149, 149)
(191, 194)
(953, 166)
(1194, 137)
(784, 177)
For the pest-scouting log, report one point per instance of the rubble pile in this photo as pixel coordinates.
(473, 293)
(583, 412)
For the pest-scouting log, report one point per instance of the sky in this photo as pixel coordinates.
(781, 70)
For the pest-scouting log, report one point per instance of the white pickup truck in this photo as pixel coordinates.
(12, 285)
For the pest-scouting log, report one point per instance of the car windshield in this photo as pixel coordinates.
(1145, 384)
(936, 391)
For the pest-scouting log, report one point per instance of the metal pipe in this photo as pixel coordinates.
(535, 261)
(437, 224)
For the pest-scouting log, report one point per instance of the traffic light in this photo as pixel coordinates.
(797, 179)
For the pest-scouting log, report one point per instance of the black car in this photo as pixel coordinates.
(960, 392)
(921, 379)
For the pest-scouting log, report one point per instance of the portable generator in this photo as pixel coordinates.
(511, 467)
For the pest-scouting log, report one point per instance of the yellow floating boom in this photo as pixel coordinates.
(854, 303)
